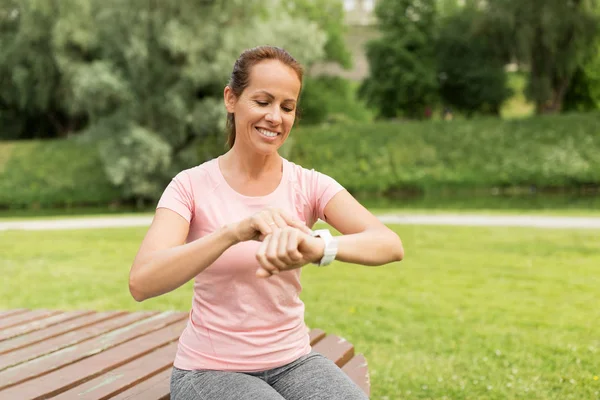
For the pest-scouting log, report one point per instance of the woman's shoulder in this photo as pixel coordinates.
(298, 173)
(304, 175)
(202, 174)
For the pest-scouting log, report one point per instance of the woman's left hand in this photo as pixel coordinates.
(287, 248)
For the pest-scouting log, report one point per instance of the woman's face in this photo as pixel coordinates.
(266, 110)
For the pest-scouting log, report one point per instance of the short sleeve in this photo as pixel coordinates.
(323, 188)
(178, 196)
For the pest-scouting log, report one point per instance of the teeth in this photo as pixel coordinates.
(267, 133)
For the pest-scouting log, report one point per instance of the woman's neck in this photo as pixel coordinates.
(250, 165)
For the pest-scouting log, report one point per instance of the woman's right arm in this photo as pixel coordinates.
(164, 262)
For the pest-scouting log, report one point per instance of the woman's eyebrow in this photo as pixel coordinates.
(265, 92)
(271, 96)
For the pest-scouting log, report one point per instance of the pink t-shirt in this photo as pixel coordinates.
(239, 322)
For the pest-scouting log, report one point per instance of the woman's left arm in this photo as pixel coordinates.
(365, 239)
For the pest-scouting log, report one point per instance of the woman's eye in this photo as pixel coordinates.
(287, 109)
(262, 103)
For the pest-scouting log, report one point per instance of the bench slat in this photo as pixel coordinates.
(56, 330)
(156, 388)
(71, 375)
(25, 317)
(59, 359)
(315, 335)
(357, 370)
(124, 377)
(60, 342)
(336, 349)
(40, 324)
(15, 311)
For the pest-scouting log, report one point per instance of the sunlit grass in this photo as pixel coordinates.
(471, 313)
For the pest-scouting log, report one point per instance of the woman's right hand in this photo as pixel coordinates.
(264, 222)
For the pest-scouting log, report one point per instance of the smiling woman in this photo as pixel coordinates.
(240, 226)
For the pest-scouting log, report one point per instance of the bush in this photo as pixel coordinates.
(331, 99)
(62, 172)
(374, 158)
(549, 151)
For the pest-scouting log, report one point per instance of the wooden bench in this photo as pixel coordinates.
(115, 354)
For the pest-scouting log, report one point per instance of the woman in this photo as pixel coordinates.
(239, 226)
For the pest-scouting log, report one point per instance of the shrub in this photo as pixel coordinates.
(549, 151)
(44, 173)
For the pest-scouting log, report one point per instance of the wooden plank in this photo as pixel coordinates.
(71, 375)
(14, 311)
(157, 387)
(336, 349)
(25, 317)
(59, 359)
(315, 336)
(40, 324)
(358, 370)
(59, 342)
(55, 330)
(120, 379)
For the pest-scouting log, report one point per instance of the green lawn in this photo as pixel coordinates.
(472, 313)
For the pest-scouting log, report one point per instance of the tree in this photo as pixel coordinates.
(550, 37)
(402, 78)
(142, 79)
(471, 71)
(584, 91)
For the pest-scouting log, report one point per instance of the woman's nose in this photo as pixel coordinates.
(274, 116)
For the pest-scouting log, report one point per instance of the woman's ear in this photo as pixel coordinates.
(230, 99)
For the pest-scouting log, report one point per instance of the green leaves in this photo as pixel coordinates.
(557, 151)
(144, 79)
(402, 80)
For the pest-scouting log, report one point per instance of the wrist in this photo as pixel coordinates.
(229, 234)
(319, 246)
(329, 247)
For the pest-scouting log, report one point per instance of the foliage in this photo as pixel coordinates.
(143, 80)
(402, 79)
(465, 315)
(551, 37)
(472, 75)
(548, 151)
(374, 158)
(332, 99)
(584, 91)
(52, 173)
(329, 16)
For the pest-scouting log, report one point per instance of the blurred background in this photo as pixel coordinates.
(101, 103)
(417, 107)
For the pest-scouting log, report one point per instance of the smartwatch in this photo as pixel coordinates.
(331, 246)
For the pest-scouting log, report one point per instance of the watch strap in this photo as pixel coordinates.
(331, 246)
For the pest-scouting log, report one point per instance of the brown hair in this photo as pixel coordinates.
(240, 77)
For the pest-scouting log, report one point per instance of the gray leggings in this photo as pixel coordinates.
(310, 377)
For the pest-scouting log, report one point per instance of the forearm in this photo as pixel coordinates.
(372, 247)
(166, 270)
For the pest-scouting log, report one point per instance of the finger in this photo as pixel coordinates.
(296, 223)
(292, 247)
(280, 221)
(263, 273)
(271, 251)
(302, 226)
(261, 256)
(282, 252)
(263, 227)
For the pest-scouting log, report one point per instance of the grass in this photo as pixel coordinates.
(517, 106)
(472, 313)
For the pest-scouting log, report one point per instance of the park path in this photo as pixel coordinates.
(406, 219)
